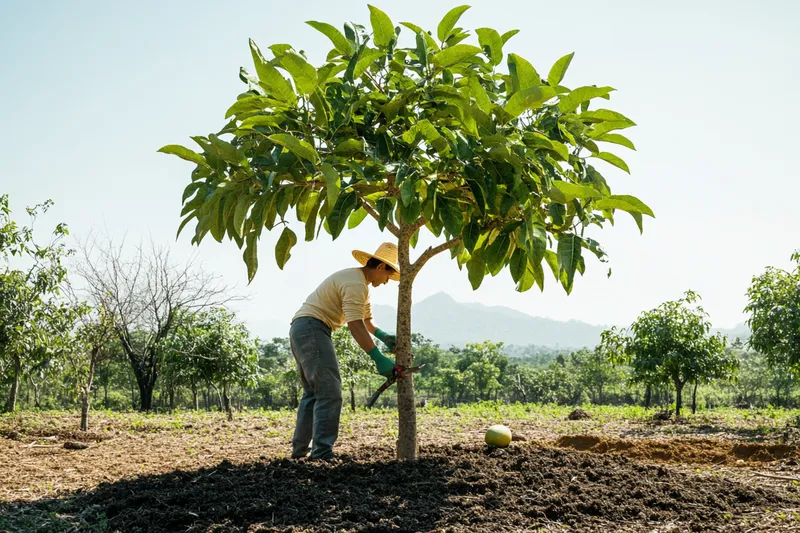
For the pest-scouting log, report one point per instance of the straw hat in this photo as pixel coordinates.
(386, 252)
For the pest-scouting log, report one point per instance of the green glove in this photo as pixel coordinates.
(388, 339)
(384, 365)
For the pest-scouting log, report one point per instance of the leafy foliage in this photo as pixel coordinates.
(33, 317)
(467, 141)
(671, 344)
(774, 307)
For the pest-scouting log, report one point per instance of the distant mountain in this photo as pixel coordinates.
(451, 323)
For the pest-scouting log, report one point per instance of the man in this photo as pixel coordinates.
(343, 298)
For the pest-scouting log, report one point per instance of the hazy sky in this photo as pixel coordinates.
(90, 90)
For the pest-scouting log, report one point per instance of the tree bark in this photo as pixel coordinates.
(407, 436)
(195, 404)
(648, 395)
(226, 401)
(352, 396)
(694, 399)
(87, 390)
(11, 404)
(678, 397)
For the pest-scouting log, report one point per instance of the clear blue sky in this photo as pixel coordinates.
(90, 90)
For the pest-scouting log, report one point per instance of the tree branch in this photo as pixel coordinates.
(394, 230)
(432, 251)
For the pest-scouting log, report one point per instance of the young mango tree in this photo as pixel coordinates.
(671, 344)
(438, 134)
(773, 301)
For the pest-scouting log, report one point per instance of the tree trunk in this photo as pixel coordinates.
(87, 390)
(407, 435)
(678, 398)
(648, 395)
(171, 399)
(694, 399)
(352, 396)
(105, 394)
(195, 404)
(226, 401)
(11, 404)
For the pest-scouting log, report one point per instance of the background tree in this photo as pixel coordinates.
(32, 312)
(429, 135)
(147, 295)
(88, 346)
(594, 372)
(671, 345)
(219, 348)
(774, 307)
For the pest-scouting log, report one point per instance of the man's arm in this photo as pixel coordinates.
(360, 329)
(371, 327)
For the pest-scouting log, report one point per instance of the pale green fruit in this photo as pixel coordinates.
(498, 435)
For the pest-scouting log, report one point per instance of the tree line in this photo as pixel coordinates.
(141, 331)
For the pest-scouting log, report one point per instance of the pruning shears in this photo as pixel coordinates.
(398, 373)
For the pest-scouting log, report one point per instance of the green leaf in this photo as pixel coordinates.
(259, 120)
(574, 190)
(559, 70)
(455, 54)
(523, 75)
(452, 215)
(239, 214)
(569, 253)
(530, 98)
(407, 190)
(528, 275)
(624, 202)
(573, 99)
(349, 147)
(604, 127)
(345, 205)
(491, 43)
(250, 256)
(428, 39)
(604, 115)
(470, 235)
(552, 260)
(382, 26)
(518, 264)
(614, 160)
(496, 252)
(303, 73)
(311, 221)
(284, 246)
(449, 21)
(332, 182)
(366, 59)
(508, 35)
(476, 269)
(356, 218)
(339, 41)
(184, 153)
(384, 207)
(298, 147)
(269, 76)
(616, 138)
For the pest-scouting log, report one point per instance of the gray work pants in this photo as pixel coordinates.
(321, 405)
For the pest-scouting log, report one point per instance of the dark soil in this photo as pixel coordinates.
(450, 489)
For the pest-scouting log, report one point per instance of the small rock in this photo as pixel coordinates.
(71, 445)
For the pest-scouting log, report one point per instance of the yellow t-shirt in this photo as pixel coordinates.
(341, 298)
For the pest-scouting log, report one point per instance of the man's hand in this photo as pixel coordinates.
(384, 365)
(388, 339)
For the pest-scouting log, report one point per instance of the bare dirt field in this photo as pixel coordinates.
(617, 471)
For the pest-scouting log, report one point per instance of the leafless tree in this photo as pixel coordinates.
(146, 294)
